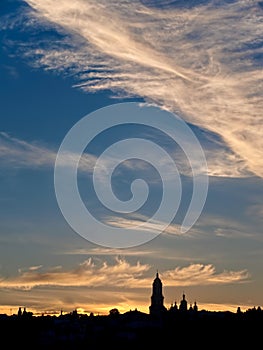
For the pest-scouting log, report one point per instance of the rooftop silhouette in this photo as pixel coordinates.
(132, 328)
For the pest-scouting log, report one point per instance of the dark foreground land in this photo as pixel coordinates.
(134, 330)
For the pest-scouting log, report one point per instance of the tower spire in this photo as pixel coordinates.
(157, 298)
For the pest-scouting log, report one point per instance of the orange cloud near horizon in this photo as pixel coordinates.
(120, 274)
(97, 286)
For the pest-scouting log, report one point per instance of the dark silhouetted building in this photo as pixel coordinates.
(157, 307)
(183, 304)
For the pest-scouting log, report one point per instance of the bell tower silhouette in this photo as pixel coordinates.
(157, 307)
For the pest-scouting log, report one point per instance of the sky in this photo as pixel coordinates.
(186, 79)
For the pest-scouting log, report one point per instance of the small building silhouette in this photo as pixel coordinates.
(183, 304)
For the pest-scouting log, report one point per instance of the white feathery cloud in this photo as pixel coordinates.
(200, 62)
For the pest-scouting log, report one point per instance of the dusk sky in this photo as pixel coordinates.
(143, 62)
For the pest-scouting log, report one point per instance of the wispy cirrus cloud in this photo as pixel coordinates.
(19, 153)
(99, 251)
(135, 221)
(207, 226)
(203, 62)
(200, 274)
(223, 226)
(122, 274)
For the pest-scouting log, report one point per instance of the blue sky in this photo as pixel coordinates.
(62, 61)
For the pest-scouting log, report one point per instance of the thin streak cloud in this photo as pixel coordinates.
(134, 222)
(201, 62)
(19, 153)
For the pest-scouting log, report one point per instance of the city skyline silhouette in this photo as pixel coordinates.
(71, 330)
(156, 308)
